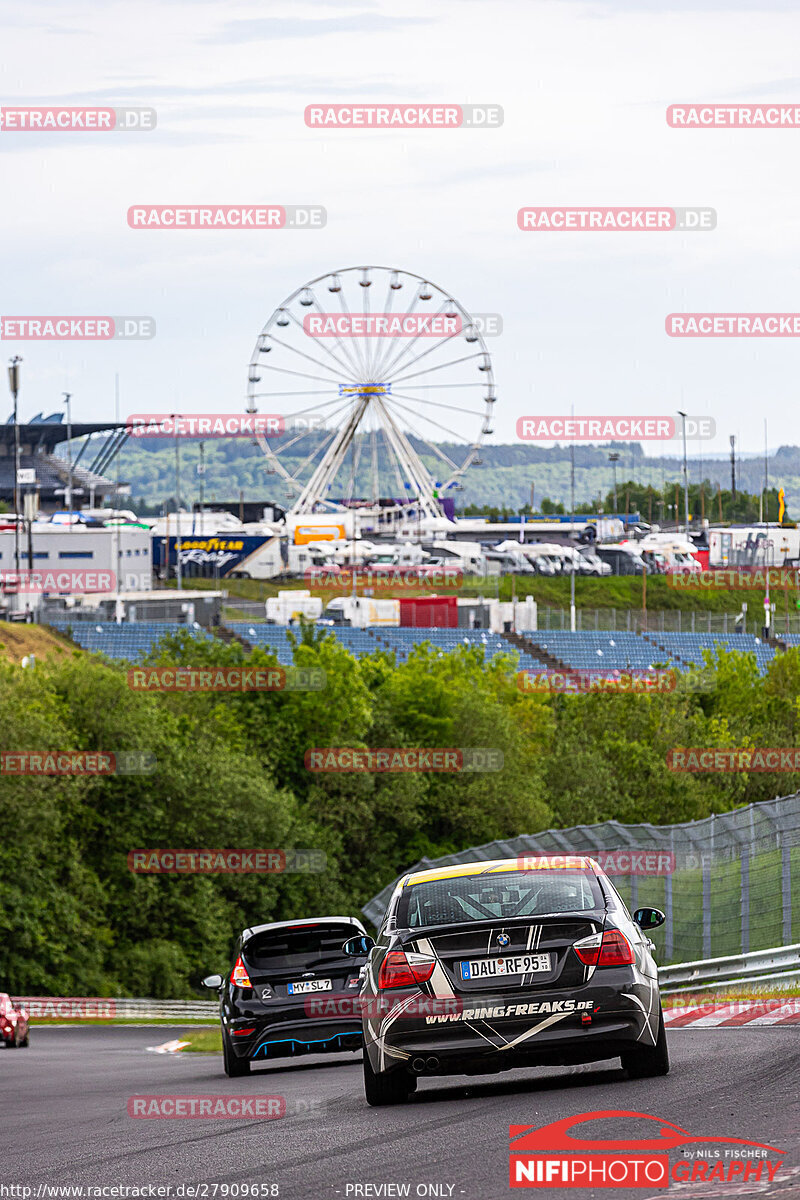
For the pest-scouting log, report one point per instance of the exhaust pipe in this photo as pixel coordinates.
(432, 1063)
(418, 1065)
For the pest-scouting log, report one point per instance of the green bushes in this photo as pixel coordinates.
(230, 773)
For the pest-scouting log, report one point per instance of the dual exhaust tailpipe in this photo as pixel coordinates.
(420, 1065)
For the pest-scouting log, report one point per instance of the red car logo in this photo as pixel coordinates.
(555, 1137)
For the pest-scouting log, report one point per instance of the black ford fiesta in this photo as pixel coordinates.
(265, 1002)
(512, 963)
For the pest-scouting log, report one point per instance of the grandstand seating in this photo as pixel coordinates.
(269, 637)
(625, 651)
(582, 650)
(129, 641)
(688, 647)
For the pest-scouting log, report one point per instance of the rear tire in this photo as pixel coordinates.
(380, 1090)
(234, 1067)
(645, 1062)
(26, 1041)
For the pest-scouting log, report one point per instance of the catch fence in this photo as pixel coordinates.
(729, 884)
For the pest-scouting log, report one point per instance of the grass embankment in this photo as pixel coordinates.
(619, 592)
(204, 1041)
(19, 639)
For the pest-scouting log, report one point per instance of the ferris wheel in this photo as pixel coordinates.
(385, 387)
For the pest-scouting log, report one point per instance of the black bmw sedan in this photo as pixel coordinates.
(486, 966)
(270, 1003)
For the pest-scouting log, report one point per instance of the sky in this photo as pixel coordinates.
(584, 89)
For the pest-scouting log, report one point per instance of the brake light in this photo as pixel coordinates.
(399, 969)
(239, 974)
(609, 949)
(244, 1032)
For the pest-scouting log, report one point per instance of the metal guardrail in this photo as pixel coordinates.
(77, 1008)
(164, 1010)
(781, 964)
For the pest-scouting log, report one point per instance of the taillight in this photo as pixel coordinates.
(239, 974)
(244, 1032)
(609, 949)
(399, 969)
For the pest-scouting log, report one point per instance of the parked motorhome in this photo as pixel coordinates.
(752, 546)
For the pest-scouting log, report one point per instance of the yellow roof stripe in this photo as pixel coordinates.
(500, 866)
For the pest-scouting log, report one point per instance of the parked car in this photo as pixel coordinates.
(591, 564)
(14, 1024)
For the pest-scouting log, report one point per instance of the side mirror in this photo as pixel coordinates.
(213, 981)
(357, 947)
(649, 918)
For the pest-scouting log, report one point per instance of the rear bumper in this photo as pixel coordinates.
(489, 1039)
(467, 1051)
(286, 1037)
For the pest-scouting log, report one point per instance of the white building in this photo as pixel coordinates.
(61, 554)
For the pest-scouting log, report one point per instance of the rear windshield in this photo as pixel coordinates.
(493, 897)
(279, 948)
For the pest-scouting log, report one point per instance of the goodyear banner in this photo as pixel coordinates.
(211, 556)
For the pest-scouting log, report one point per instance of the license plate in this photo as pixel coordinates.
(493, 968)
(309, 985)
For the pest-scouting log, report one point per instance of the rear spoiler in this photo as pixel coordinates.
(603, 889)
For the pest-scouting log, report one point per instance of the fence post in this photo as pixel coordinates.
(668, 930)
(679, 622)
(745, 898)
(786, 891)
(706, 906)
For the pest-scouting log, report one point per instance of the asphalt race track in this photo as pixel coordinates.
(64, 1117)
